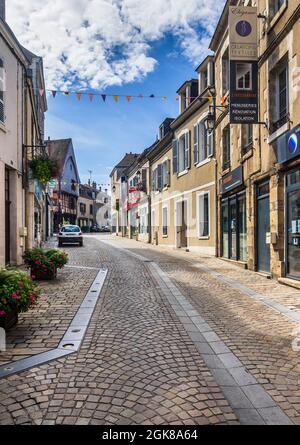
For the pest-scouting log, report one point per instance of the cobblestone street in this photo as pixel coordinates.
(176, 338)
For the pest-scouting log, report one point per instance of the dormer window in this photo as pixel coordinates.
(206, 75)
(161, 132)
(275, 6)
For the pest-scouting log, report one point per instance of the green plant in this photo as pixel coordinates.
(17, 291)
(43, 169)
(58, 257)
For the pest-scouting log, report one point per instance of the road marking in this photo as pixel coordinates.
(73, 338)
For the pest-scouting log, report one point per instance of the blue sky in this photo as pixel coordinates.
(127, 47)
(103, 132)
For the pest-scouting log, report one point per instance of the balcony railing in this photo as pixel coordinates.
(278, 124)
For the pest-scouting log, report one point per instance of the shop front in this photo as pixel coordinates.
(233, 217)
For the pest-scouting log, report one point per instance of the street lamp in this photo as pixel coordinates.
(210, 121)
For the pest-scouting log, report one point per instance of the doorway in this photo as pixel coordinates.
(263, 227)
(181, 209)
(293, 225)
(7, 217)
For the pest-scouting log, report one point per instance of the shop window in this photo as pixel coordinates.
(226, 148)
(279, 93)
(234, 227)
(204, 219)
(165, 221)
(246, 138)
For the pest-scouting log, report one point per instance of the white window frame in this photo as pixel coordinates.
(243, 77)
(199, 195)
(208, 141)
(165, 208)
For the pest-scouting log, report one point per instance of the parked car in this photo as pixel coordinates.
(104, 229)
(70, 234)
(95, 228)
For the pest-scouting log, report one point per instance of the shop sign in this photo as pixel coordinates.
(232, 180)
(243, 37)
(243, 102)
(288, 145)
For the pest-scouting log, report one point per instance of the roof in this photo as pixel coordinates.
(187, 82)
(204, 62)
(58, 150)
(125, 163)
(221, 26)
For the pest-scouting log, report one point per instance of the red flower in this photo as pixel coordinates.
(2, 312)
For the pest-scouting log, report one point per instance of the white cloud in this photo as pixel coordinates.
(100, 43)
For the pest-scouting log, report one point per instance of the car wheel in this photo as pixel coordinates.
(81, 244)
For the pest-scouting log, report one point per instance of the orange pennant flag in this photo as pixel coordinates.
(116, 98)
(128, 98)
(78, 95)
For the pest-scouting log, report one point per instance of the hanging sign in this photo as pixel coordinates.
(243, 41)
(243, 103)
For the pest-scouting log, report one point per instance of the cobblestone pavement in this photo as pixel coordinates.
(259, 336)
(137, 364)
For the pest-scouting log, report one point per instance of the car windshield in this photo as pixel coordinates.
(70, 229)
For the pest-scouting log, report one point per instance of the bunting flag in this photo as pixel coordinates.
(116, 97)
(210, 100)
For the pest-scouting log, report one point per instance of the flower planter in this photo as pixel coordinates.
(9, 320)
(38, 274)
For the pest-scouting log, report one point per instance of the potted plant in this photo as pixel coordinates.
(43, 169)
(17, 294)
(43, 264)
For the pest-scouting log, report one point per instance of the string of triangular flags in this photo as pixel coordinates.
(104, 97)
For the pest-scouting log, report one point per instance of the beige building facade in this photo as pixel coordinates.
(258, 165)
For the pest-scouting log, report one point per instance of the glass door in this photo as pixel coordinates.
(233, 228)
(293, 234)
(242, 227)
(263, 228)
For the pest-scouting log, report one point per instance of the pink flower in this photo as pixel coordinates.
(33, 277)
(2, 312)
(15, 295)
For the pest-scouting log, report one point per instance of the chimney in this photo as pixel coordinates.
(2, 10)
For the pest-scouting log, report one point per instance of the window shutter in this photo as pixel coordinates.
(2, 83)
(168, 162)
(159, 177)
(175, 156)
(202, 142)
(144, 180)
(187, 150)
(196, 144)
(210, 144)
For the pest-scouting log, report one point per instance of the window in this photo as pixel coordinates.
(247, 138)
(226, 147)
(91, 209)
(181, 153)
(82, 208)
(274, 6)
(161, 176)
(243, 76)
(2, 87)
(225, 72)
(203, 143)
(72, 203)
(165, 221)
(203, 215)
(279, 93)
